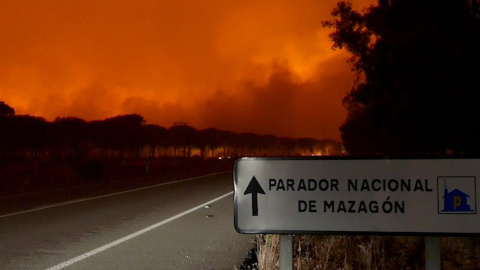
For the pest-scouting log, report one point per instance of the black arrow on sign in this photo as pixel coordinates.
(254, 188)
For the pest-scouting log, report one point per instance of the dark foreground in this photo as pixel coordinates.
(29, 185)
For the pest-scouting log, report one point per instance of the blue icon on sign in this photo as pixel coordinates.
(462, 199)
(456, 200)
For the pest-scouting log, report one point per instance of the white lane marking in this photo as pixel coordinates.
(128, 237)
(107, 195)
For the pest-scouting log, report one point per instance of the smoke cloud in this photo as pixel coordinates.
(246, 66)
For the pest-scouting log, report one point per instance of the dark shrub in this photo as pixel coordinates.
(93, 169)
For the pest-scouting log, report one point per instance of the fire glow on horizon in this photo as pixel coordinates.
(246, 66)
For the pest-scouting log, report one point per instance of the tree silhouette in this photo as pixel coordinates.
(307, 145)
(126, 133)
(155, 136)
(24, 135)
(287, 145)
(6, 110)
(417, 89)
(70, 136)
(82, 144)
(120, 134)
(185, 136)
(211, 138)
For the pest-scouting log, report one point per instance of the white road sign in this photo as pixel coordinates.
(354, 196)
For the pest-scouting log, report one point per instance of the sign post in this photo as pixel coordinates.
(286, 252)
(432, 253)
(429, 197)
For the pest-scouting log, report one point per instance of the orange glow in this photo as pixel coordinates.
(246, 66)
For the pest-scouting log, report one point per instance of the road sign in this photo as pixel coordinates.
(357, 196)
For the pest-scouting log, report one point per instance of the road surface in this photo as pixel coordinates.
(186, 224)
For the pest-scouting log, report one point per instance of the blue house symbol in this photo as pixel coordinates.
(455, 200)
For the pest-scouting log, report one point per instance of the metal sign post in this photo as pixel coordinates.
(286, 252)
(432, 253)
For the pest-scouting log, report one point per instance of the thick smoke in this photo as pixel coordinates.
(246, 66)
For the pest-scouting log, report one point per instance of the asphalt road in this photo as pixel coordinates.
(187, 224)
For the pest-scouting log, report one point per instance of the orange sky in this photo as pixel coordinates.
(247, 66)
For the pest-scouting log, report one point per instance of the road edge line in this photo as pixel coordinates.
(133, 235)
(106, 195)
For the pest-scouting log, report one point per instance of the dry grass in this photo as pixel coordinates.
(367, 252)
(461, 253)
(268, 249)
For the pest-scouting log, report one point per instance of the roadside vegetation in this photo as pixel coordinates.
(36, 154)
(367, 252)
(129, 137)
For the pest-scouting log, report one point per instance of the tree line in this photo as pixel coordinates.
(129, 137)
